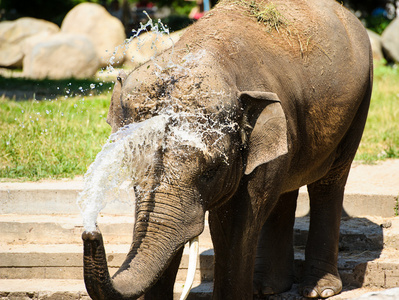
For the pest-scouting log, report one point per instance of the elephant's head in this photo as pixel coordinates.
(211, 139)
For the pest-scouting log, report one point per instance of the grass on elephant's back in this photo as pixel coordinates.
(381, 135)
(51, 139)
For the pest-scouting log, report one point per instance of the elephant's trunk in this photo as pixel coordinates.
(157, 238)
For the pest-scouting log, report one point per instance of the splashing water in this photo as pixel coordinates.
(156, 34)
(129, 154)
(117, 163)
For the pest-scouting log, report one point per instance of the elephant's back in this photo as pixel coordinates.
(256, 38)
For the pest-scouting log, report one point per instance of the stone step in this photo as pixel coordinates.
(363, 233)
(67, 229)
(65, 261)
(371, 233)
(376, 197)
(61, 289)
(70, 289)
(357, 268)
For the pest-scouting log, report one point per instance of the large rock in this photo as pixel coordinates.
(390, 41)
(376, 45)
(60, 56)
(147, 45)
(14, 33)
(105, 31)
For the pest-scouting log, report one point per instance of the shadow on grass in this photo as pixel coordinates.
(21, 89)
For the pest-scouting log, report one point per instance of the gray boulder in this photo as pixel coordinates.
(14, 33)
(60, 56)
(390, 41)
(376, 45)
(104, 31)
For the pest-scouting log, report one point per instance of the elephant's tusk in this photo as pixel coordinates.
(192, 266)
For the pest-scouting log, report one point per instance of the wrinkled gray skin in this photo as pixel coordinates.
(296, 95)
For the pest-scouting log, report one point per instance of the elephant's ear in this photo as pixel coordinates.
(268, 139)
(115, 113)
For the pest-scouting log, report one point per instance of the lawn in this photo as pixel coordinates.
(59, 135)
(55, 137)
(381, 136)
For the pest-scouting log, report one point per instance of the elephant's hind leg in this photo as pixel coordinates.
(275, 255)
(326, 198)
(321, 278)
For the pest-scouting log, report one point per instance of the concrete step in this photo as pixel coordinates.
(67, 229)
(65, 261)
(371, 233)
(371, 190)
(363, 233)
(61, 289)
(357, 268)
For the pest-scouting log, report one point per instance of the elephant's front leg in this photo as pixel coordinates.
(275, 255)
(234, 235)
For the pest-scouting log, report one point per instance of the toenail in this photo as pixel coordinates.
(310, 293)
(327, 293)
(267, 290)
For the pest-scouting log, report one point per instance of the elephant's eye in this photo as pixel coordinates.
(209, 174)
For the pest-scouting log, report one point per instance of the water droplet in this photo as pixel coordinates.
(92, 86)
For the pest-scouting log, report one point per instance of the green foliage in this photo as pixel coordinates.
(177, 22)
(54, 10)
(180, 7)
(377, 24)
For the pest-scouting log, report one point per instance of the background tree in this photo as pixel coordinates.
(375, 14)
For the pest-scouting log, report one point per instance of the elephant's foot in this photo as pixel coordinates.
(321, 287)
(264, 286)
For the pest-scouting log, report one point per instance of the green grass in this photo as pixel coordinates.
(381, 136)
(59, 136)
(53, 138)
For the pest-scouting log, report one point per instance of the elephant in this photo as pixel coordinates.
(257, 99)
